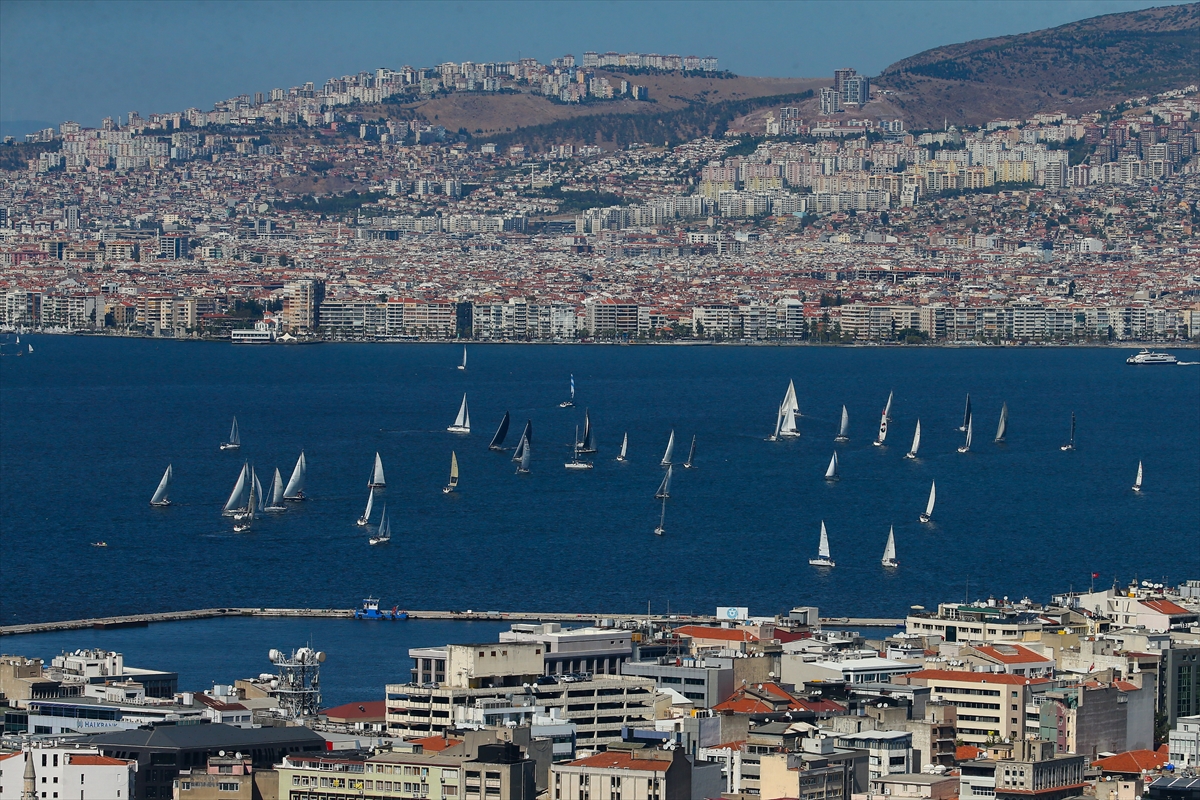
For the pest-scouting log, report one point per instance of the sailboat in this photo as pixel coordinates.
(887, 408)
(524, 441)
(662, 518)
(912, 451)
(365, 519)
(664, 488)
(377, 481)
(966, 415)
(844, 428)
(30, 348)
(883, 421)
(498, 440)
(785, 419)
(294, 491)
(245, 520)
(831, 472)
(463, 365)
(523, 464)
(1137, 484)
(235, 440)
(236, 503)
(1070, 445)
(1002, 428)
(383, 534)
(928, 515)
(462, 423)
(889, 550)
(822, 559)
(691, 454)
(966, 447)
(569, 402)
(449, 487)
(588, 444)
(276, 502)
(624, 447)
(160, 499)
(666, 459)
(575, 463)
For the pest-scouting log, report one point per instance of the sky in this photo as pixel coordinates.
(84, 61)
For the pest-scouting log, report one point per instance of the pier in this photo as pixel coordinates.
(142, 620)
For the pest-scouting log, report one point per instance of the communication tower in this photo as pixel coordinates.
(299, 681)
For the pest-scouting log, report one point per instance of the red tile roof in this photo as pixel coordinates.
(966, 752)
(1133, 761)
(97, 761)
(1165, 607)
(971, 677)
(432, 744)
(724, 634)
(616, 759)
(367, 709)
(1022, 655)
(744, 701)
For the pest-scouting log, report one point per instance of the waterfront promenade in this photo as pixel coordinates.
(141, 620)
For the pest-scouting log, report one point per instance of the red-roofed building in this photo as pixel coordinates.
(1125, 608)
(989, 704)
(771, 699)
(1133, 762)
(703, 637)
(66, 769)
(631, 774)
(1012, 659)
(367, 715)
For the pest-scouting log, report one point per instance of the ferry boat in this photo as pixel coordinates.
(1150, 357)
(370, 610)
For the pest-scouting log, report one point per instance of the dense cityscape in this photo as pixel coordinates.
(1095, 693)
(312, 213)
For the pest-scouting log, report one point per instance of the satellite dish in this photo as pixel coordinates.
(238, 754)
(221, 753)
(274, 655)
(321, 656)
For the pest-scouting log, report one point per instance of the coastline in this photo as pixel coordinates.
(1128, 344)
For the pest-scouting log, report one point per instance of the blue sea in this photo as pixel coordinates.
(89, 425)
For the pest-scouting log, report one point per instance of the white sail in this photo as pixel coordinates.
(966, 413)
(235, 497)
(887, 409)
(789, 399)
(774, 437)
(912, 452)
(234, 436)
(277, 490)
(691, 454)
(256, 496)
(889, 550)
(377, 480)
(164, 485)
(464, 363)
(883, 420)
(970, 432)
(932, 499)
(525, 455)
(453, 471)
(831, 472)
(664, 488)
(1002, 428)
(366, 517)
(666, 459)
(295, 484)
(624, 447)
(1137, 484)
(844, 428)
(788, 424)
(823, 547)
(462, 423)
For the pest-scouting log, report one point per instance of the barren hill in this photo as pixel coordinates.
(1089, 64)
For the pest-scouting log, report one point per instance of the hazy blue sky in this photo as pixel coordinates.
(87, 60)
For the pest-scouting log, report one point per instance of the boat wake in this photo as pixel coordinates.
(1186, 363)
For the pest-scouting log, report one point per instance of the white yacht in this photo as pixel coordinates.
(1150, 357)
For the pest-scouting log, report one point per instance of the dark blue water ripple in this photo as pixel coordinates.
(89, 425)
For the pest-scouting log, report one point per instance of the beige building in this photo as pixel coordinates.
(989, 705)
(227, 778)
(624, 775)
(599, 707)
(23, 678)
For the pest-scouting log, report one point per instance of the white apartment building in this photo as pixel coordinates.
(62, 772)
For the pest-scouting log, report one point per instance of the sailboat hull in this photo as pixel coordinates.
(447, 489)
(458, 429)
(910, 455)
(659, 531)
(566, 404)
(1066, 448)
(840, 438)
(362, 522)
(296, 498)
(228, 446)
(165, 503)
(924, 518)
(822, 562)
(877, 443)
(964, 449)
(890, 563)
(376, 485)
(578, 464)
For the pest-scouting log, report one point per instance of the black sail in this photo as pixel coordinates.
(501, 432)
